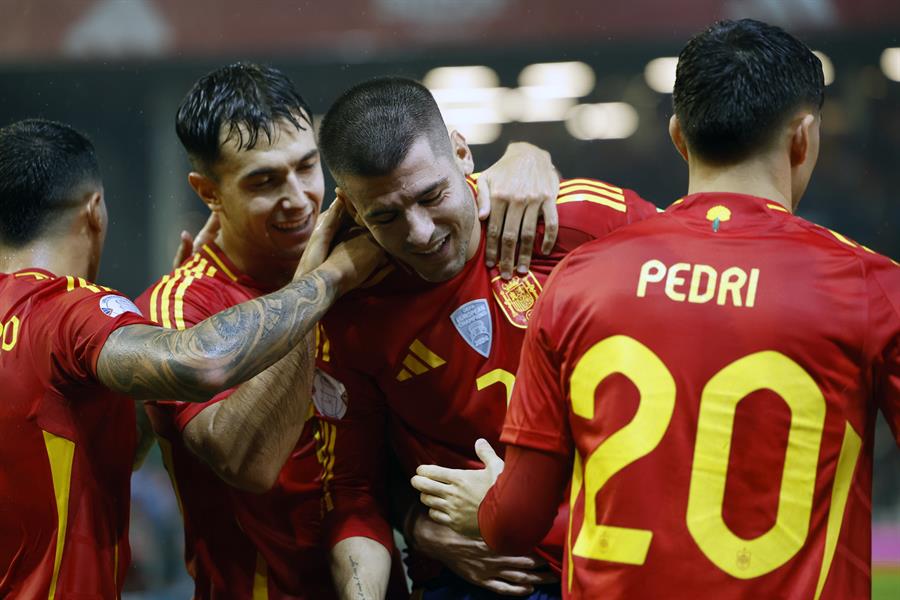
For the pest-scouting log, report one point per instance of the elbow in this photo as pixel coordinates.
(248, 475)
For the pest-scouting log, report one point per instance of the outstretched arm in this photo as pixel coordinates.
(233, 345)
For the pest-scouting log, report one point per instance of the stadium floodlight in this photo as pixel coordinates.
(827, 66)
(603, 121)
(660, 74)
(469, 77)
(478, 133)
(890, 63)
(521, 104)
(572, 79)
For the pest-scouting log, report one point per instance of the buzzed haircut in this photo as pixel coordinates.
(243, 100)
(737, 83)
(45, 168)
(370, 128)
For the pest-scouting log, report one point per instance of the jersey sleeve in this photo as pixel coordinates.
(82, 325)
(590, 209)
(884, 315)
(350, 439)
(178, 301)
(537, 413)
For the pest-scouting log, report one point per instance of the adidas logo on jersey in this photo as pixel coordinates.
(419, 360)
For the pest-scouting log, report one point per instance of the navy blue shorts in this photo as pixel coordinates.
(451, 587)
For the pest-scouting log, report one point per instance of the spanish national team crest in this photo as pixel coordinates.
(473, 322)
(516, 297)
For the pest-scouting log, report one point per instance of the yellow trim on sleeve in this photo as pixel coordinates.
(219, 262)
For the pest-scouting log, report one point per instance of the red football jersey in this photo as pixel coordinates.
(718, 370)
(237, 544)
(67, 442)
(434, 363)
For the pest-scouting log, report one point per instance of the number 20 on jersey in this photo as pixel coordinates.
(741, 558)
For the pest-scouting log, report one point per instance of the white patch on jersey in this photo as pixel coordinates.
(113, 306)
(473, 322)
(329, 395)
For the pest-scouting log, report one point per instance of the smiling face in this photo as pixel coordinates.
(422, 213)
(268, 197)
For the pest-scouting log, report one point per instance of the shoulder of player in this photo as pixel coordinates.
(195, 282)
(615, 201)
(844, 244)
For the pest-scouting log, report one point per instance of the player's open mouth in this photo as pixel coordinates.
(437, 250)
(294, 226)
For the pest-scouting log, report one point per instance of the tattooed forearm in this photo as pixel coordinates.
(219, 352)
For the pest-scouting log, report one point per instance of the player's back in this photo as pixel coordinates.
(66, 442)
(720, 362)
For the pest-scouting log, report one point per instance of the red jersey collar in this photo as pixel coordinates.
(723, 210)
(228, 269)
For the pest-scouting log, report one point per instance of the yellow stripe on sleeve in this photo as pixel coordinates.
(563, 190)
(179, 301)
(154, 314)
(219, 262)
(61, 453)
(594, 182)
(164, 302)
(581, 197)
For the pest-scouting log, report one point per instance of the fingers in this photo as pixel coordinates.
(483, 199)
(185, 244)
(436, 503)
(526, 239)
(439, 517)
(528, 577)
(486, 454)
(437, 473)
(494, 228)
(551, 225)
(208, 232)
(510, 237)
(517, 563)
(430, 486)
(507, 589)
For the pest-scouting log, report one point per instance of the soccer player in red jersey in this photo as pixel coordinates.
(714, 400)
(72, 351)
(244, 464)
(428, 351)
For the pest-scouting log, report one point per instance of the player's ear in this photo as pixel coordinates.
(803, 130)
(205, 187)
(349, 207)
(462, 153)
(678, 137)
(95, 211)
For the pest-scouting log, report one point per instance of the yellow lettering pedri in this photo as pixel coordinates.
(699, 284)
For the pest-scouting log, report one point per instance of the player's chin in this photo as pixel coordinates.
(439, 273)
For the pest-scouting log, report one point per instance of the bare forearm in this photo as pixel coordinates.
(247, 437)
(361, 568)
(219, 352)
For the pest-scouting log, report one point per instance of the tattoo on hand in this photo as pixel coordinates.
(217, 353)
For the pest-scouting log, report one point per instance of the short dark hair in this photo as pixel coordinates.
(370, 128)
(239, 95)
(44, 167)
(737, 82)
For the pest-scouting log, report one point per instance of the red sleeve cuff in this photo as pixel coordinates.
(358, 519)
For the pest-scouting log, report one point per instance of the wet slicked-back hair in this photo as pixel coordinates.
(370, 128)
(44, 169)
(242, 101)
(737, 83)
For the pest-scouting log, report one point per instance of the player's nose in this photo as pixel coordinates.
(421, 228)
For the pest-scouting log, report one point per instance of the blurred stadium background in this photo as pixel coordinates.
(590, 80)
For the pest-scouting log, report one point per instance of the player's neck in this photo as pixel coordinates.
(61, 256)
(759, 177)
(266, 271)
